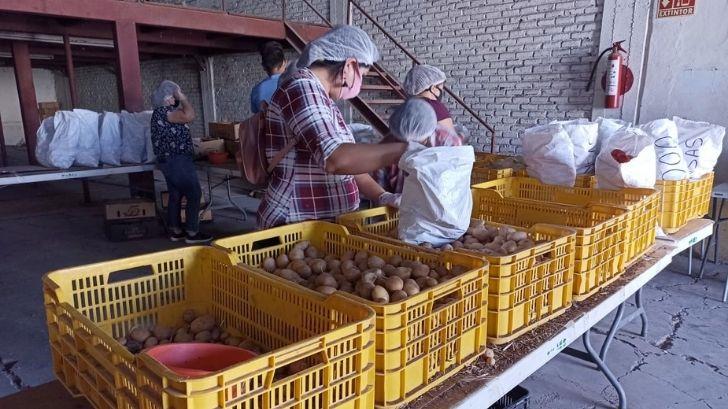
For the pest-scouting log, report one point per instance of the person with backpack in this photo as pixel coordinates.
(318, 171)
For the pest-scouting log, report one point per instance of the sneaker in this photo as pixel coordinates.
(198, 238)
(177, 236)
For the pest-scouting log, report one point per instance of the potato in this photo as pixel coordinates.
(410, 287)
(203, 336)
(352, 274)
(420, 270)
(326, 290)
(162, 331)
(477, 223)
(269, 265)
(165, 342)
(224, 335)
(403, 272)
(215, 334)
(518, 236)
(395, 260)
(375, 262)
(457, 245)
(189, 316)
(370, 276)
(233, 341)
(134, 346)
(361, 257)
(333, 265)
(202, 323)
(347, 256)
(474, 246)
(248, 344)
(121, 340)
(302, 245)
(393, 283)
(346, 286)
(421, 282)
(326, 280)
(290, 275)
(434, 274)
(183, 337)
(509, 246)
(182, 330)
(431, 282)
(139, 334)
(427, 245)
(300, 267)
(318, 266)
(313, 252)
(347, 264)
(296, 254)
(447, 247)
(282, 261)
(364, 289)
(398, 295)
(389, 269)
(380, 294)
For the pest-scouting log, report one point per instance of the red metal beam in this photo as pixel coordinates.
(128, 68)
(70, 71)
(26, 95)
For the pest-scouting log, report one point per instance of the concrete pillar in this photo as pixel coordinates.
(207, 89)
(26, 95)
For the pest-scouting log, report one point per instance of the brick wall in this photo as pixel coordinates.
(517, 63)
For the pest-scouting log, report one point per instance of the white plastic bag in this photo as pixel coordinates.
(436, 200)
(549, 155)
(607, 128)
(62, 149)
(135, 131)
(584, 135)
(43, 136)
(671, 164)
(110, 138)
(88, 150)
(701, 144)
(639, 171)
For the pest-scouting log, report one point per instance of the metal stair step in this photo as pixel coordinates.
(384, 101)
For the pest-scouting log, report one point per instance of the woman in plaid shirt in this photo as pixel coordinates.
(324, 173)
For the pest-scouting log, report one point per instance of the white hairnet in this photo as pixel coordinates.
(421, 78)
(339, 44)
(165, 90)
(413, 121)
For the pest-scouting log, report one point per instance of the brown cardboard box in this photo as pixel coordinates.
(130, 209)
(46, 109)
(231, 147)
(225, 130)
(205, 146)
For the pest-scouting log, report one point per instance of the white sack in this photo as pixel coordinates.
(640, 171)
(62, 149)
(607, 128)
(671, 164)
(145, 118)
(88, 150)
(549, 155)
(110, 138)
(43, 136)
(584, 135)
(436, 200)
(135, 130)
(701, 144)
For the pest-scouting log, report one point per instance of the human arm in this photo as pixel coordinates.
(448, 123)
(356, 158)
(368, 187)
(185, 113)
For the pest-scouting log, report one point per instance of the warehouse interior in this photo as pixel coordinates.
(510, 65)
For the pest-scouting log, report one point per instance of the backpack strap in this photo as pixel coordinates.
(281, 154)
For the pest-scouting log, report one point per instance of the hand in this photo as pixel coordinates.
(179, 95)
(390, 199)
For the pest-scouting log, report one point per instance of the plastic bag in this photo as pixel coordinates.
(549, 155)
(584, 135)
(43, 136)
(135, 130)
(607, 128)
(145, 119)
(671, 164)
(627, 160)
(701, 144)
(436, 200)
(88, 150)
(110, 138)
(62, 149)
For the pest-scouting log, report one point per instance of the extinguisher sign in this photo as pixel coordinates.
(675, 8)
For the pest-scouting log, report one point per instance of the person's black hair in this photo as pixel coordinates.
(272, 55)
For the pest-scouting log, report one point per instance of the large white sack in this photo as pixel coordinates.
(701, 143)
(549, 155)
(436, 200)
(584, 134)
(110, 138)
(135, 130)
(63, 146)
(639, 171)
(145, 118)
(671, 164)
(43, 137)
(608, 126)
(88, 150)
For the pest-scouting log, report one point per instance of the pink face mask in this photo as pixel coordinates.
(352, 90)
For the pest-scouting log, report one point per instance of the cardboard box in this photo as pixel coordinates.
(165, 200)
(130, 209)
(47, 109)
(205, 146)
(131, 229)
(231, 147)
(225, 130)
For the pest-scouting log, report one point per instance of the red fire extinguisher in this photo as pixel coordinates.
(618, 78)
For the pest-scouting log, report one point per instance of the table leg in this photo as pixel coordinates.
(716, 231)
(725, 290)
(690, 261)
(705, 257)
(230, 199)
(605, 370)
(86, 191)
(612, 332)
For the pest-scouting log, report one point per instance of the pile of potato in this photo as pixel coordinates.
(193, 328)
(366, 275)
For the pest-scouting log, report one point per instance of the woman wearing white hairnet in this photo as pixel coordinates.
(428, 82)
(323, 174)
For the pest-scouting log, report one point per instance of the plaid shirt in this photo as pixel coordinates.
(299, 188)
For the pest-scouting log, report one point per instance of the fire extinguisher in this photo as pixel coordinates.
(618, 78)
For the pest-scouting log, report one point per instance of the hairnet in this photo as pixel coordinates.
(421, 78)
(339, 44)
(165, 90)
(413, 121)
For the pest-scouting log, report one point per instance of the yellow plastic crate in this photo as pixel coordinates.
(483, 172)
(421, 341)
(601, 233)
(525, 289)
(641, 204)
(683, 200)
(88, 307)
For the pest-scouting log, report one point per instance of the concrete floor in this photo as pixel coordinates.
(682, 363)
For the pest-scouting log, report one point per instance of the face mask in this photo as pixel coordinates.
(349, 92)
(438, 96)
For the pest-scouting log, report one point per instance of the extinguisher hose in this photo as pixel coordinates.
(594, 68)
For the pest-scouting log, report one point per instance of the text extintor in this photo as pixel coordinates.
(675, 8)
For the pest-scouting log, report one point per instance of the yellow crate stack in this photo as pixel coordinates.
(683, 200)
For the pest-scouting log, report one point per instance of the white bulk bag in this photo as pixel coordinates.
(639, 171)
(135, 132)
(701, 144)
(43, 137)
(608, 126)
(110, 138)
(88, 150)
(436, 200)
(145, 118)
(671, 164)
(62, 149)
(585, 136)
(549, 155)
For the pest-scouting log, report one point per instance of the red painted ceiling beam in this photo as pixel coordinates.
(26, 95)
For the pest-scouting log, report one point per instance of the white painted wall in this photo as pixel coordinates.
(45, 90)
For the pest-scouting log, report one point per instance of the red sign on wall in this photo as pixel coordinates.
(675, 8)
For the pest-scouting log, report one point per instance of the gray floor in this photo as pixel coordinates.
(682, 363)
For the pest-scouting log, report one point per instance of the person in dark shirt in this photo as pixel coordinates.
(172, 144)
(428, 82)
(274, 63)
